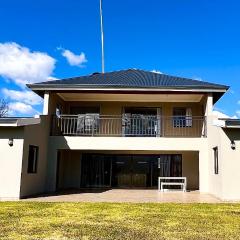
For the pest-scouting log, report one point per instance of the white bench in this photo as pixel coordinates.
(169, 181)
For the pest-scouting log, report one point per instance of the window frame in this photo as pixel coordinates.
(182, 120)
(179, 121)
(216, 160)
(32, 168)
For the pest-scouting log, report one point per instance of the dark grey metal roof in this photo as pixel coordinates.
(131, 78)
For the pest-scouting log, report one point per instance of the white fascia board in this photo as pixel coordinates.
(127, 89)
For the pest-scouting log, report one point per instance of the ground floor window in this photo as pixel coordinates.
(215, 153)
(32, 159)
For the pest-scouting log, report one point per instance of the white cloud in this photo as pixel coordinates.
(74, 59)
(238, 102)
(156, 71)
(238, 113)
(25, 96)
(220, 114)
(17, 108)
(22, 66)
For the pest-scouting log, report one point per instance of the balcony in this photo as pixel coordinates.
(128, 126)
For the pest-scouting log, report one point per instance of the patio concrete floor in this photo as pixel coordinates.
(128, 195)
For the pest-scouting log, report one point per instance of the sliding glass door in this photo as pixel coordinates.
(128, 171)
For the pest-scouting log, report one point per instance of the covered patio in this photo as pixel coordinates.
(125, 169)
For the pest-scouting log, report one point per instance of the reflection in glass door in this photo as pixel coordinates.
(95, 170)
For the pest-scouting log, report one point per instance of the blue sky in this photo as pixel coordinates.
(189, 38)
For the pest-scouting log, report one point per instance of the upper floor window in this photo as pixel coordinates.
(140, 121)
(32, 159)
(182, 117)
(215, 153)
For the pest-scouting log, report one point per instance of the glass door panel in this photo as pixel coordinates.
(96, 170)
(140, 171)
(121, 171)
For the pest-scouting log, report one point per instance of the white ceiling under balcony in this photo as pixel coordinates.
(109, 97)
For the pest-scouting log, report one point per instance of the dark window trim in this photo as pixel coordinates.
(216, 163)
(34, 166)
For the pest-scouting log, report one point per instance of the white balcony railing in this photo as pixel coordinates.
(125, 126)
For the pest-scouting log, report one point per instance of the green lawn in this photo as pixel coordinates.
(31, 220)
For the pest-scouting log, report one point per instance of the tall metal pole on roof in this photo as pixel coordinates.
(102, 36)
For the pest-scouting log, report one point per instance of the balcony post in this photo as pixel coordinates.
(46, 103)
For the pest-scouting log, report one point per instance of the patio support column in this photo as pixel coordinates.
(203, 170)
(46, 103)
(209, 105)
(208, 112)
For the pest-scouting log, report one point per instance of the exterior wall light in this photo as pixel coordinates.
(233, 145)
(10, 142)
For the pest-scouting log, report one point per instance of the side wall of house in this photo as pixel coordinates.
(214, 140)
(225, 184)
(10, 162)
(37, 135)
(230, 164)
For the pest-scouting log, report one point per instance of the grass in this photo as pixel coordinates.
(31, 220)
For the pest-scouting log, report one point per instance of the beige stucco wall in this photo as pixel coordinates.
(10, 162)
(116, 108)
(230, 164)
(37, 135)
(225, 184)
(190, 169)
(214, 140)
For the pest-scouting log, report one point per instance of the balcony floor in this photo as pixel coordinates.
(128, 195)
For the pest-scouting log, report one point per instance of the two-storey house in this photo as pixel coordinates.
(121, 129)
